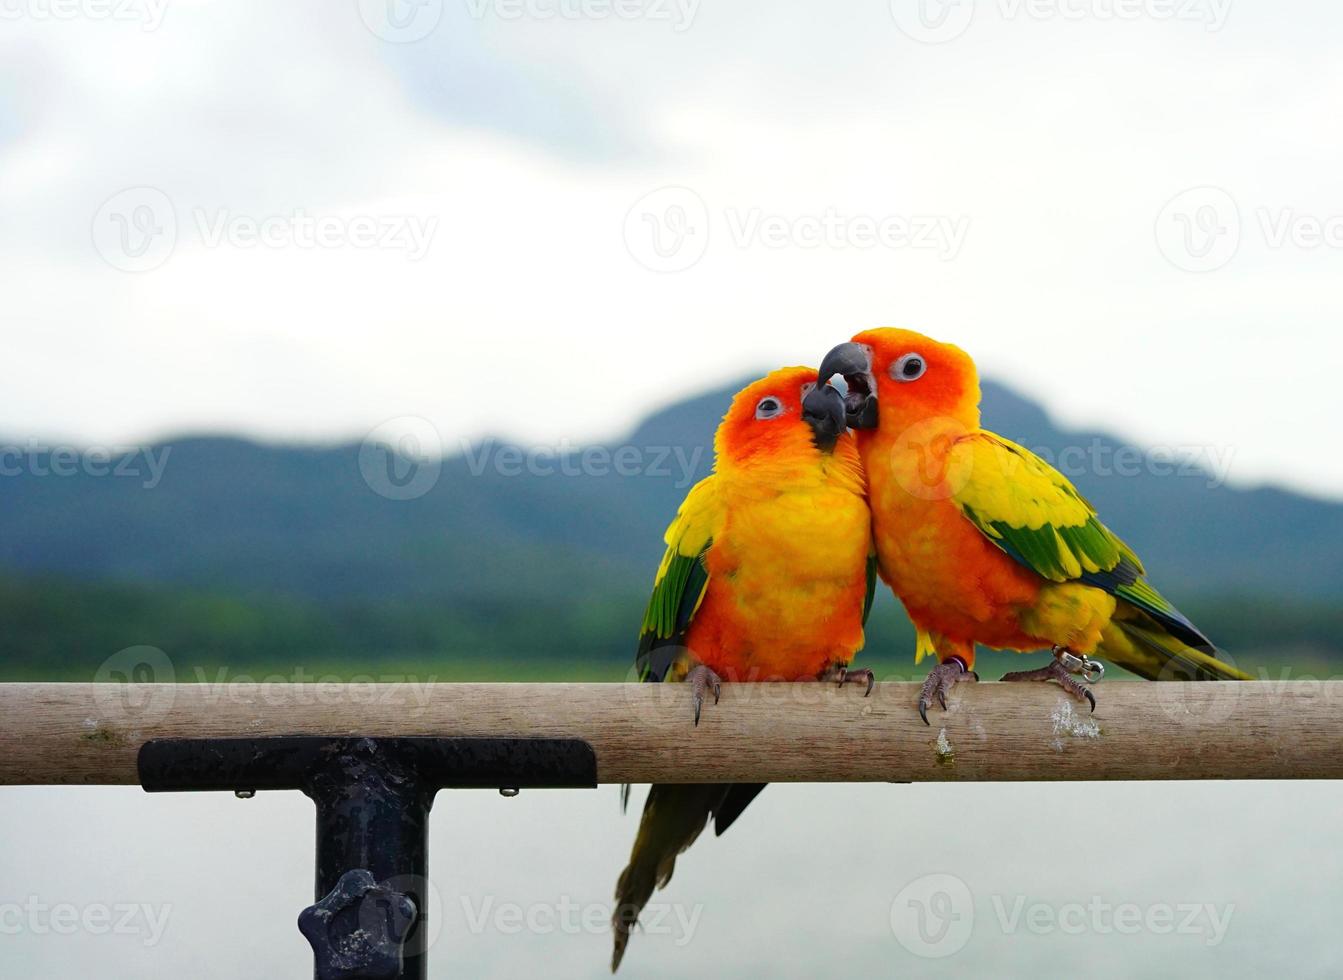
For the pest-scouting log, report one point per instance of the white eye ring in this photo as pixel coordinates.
(768, 407)
(909, 367)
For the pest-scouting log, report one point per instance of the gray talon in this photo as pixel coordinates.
(702, 680)
(845, 676)
(1058, 670)
(941, 679)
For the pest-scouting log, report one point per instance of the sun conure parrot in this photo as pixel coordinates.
(768, 576)
(984, 542)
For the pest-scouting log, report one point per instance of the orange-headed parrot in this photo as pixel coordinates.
(984, 542)
(768, 576)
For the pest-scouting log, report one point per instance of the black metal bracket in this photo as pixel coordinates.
(373, 797)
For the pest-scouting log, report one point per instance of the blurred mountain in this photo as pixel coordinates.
(505, 524)
(504, 561)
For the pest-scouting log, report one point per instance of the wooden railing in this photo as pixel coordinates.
(92, 733)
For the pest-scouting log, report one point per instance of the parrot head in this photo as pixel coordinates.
(900, 378)
(784, 416)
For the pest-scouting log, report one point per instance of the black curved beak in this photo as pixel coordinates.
(854, 362)
(823, 410)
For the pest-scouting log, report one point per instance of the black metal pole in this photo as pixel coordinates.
(373, 815)
(373, 797)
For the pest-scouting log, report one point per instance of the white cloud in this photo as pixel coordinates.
(529, 141)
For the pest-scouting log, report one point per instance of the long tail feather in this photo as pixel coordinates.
(673, 817)
(1139, 643)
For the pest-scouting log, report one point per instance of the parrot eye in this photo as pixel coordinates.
(909, 368)
(768, 408)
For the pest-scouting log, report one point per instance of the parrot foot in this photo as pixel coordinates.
(942, 679)
(1061, 671)
(703, 680)
(842, 675)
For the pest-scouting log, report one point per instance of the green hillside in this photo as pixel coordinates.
(276, 557)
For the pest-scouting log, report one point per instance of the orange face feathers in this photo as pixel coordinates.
(780, 418)
(917, 377)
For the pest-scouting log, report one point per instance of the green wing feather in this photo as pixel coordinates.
(681, 581)
(1030, 510)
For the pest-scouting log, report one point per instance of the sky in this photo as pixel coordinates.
(545, 218)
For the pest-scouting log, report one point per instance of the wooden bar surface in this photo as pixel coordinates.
(53, 733)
